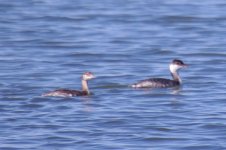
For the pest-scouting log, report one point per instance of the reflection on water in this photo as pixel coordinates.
(176, 90)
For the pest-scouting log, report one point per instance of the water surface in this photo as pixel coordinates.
(47, 45)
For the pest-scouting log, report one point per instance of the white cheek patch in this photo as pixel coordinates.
(88, 77)
(174, 68)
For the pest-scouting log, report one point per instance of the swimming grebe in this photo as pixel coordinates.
(68, 93)
(174, 66)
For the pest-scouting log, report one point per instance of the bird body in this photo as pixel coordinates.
(69, 93)
(174, 66)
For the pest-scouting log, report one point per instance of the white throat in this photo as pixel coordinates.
(85, 86)
(173, 69)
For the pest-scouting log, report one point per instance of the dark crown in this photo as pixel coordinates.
(178, 62)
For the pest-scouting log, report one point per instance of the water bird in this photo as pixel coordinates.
(174, 67)
(69, 93)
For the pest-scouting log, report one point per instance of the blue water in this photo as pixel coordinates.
(45, 45)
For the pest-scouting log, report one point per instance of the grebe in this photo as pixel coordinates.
(69, 93)
(174, 66)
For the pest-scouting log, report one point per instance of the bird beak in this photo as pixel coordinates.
(185, 65)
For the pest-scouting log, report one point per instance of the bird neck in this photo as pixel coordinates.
(85, 86)
(174, 72)
(176, 76)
